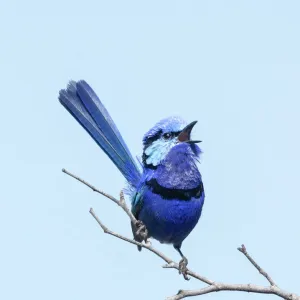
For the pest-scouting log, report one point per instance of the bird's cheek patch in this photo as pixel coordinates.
(157, 152)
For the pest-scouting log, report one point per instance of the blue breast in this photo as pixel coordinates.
(172, 196)
(170, 220)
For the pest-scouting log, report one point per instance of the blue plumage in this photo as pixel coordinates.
(168, 195)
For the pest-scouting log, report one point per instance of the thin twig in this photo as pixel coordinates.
(254, 263)
(120, 203)
(131, 241)
(91, 187)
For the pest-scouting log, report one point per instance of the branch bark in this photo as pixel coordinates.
(212, 286)
(120, 202)
(260, 270)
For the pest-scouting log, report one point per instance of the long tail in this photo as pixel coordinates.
(84, 105)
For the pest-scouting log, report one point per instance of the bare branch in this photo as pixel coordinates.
(212, 286)
(120, 202)
(253, 262)
(249, 288)
(131, 241)
(91, 186)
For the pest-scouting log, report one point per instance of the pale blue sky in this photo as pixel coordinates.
(232, 65)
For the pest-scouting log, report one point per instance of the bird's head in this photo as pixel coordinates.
(164, 136)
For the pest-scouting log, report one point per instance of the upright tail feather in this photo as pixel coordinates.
(84, 105)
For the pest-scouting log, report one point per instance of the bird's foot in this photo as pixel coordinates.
(183, 268)
(141, 231)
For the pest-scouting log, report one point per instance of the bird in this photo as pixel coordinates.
(165, 186)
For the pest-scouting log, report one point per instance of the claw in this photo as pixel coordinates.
(141, 231)
(183, 268)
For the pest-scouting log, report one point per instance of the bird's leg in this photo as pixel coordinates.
(183, 263)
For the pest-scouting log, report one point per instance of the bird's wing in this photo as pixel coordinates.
(137, 203)
(85, 106)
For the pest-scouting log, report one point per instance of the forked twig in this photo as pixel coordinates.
(253, 262)
(120, 202)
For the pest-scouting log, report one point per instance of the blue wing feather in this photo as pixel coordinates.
(84, 105)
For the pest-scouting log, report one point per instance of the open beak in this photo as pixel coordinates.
(185, 134)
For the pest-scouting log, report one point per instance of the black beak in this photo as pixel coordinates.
(185, 134)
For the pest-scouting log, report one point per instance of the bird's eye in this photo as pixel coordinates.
(167, 136)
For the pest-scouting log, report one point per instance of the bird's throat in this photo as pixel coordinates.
(177, 172)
